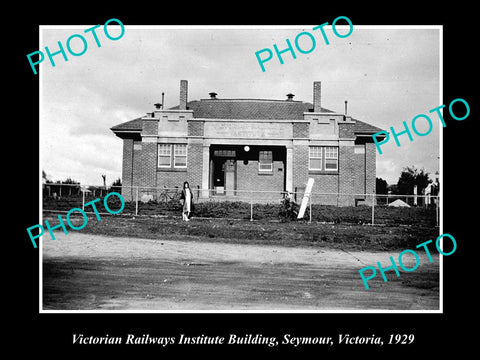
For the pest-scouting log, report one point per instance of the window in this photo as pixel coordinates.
(265, 161)
(315, 158)
(172, 156)
(180, 156)
(323, 158)
(331, 158)
(164, 155)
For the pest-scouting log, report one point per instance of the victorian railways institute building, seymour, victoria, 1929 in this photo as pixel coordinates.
(227, 147)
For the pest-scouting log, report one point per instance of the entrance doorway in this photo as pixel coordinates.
(223, 166)
(237, 170)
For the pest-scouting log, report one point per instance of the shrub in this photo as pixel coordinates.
(288, 210)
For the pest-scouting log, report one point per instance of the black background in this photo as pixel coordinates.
(51, 334)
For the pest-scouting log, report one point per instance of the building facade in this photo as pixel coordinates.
(227, 148)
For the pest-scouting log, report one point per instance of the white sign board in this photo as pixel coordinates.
(306, 197)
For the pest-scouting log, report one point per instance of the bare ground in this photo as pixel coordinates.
(84, 271)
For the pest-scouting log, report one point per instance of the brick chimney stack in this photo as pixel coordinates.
(183, 94)
(317, 96)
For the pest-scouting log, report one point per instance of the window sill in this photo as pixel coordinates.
(268, 173)
(322, 172)
(171, 169)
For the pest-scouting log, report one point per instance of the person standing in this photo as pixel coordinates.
(187, 197)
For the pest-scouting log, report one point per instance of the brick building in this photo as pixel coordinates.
(224, 147)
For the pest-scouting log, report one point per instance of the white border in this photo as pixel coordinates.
(245, 27)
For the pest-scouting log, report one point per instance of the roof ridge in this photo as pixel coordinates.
(255, 99)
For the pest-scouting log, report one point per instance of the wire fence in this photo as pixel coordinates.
(374, 209)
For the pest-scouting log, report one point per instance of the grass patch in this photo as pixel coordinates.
(292, 234)
(416, 216)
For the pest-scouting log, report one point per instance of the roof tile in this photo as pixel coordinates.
(256, 109)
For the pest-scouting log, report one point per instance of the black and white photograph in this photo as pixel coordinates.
(271, 184)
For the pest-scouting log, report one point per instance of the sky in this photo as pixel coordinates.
(387, 74)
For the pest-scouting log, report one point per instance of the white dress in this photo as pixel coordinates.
(188, 200)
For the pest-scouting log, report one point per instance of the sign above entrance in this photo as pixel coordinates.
(225, 153)
(248, 129)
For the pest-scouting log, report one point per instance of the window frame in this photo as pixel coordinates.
(310, 157)
(175, 156)
(324, 155)
(172, 165)
(261, 161)
(164, 155)
(330, 158)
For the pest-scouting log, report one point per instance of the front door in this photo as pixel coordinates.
(223, 174)
(219, 175)
(230, 175)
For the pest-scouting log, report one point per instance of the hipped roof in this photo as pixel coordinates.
(248, 109)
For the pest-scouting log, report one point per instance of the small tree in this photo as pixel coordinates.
(288, 210)
(381, 189)
(381, 186)
(45, 177)
(117, 185)
(409, 177)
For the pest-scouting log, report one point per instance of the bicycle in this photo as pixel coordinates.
(169, 194)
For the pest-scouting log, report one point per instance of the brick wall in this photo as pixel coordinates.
(150, 127)
(357, 171)
(346, 170)
(176, 177)
(147, 175)
(300, 164)
(136, 168)
(370, 168)
(317, 96)
(346, 130)
(172, 179)
(359, 179)
(127, 169)
(301, 130)
(196, 127)
(194, 163)
(326, 184)
(338, 182)
(248, 178)
(143, 170)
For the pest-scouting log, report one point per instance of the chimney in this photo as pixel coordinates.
(183, 94)
(213, 95)
(317, 96)
(346, 102)
(290, 97)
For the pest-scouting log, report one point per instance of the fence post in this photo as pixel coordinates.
(373, 209)
(251, 208)
(310, 209)
(83, 200)
(136, 201)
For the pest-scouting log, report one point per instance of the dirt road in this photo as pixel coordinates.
(91, 272)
